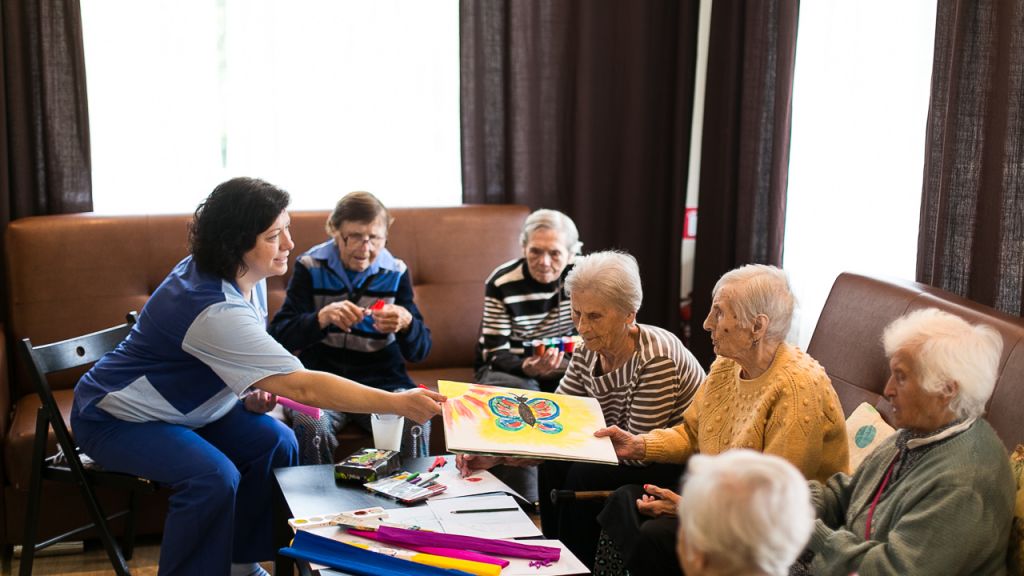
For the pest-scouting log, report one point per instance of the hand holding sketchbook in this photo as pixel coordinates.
(496, 421)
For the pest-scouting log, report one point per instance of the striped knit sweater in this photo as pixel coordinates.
(650, 391)
(518, 308)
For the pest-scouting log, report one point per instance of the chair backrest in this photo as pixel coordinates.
(46, 359)
(848, 342)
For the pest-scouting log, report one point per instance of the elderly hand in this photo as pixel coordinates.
(259, 401)
(391, 318)
(657, 502)
(418, 404)
(468, 464)
(544, 365)
(627, 446)
(343, 314)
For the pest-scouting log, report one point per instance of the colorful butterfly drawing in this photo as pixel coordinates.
(516, 412)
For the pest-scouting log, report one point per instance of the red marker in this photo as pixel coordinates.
(377, 305)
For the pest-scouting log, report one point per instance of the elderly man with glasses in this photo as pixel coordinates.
(349, 310)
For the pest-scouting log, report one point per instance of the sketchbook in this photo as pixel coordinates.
(496, 421)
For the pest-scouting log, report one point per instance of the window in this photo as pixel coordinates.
(860, 104)
(320, 97)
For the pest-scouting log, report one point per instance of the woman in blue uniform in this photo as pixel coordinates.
(182, 400)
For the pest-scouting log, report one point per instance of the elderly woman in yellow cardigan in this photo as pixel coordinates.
(761, 393)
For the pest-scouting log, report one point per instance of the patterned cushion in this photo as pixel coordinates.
(1016, 556)
(865, 430)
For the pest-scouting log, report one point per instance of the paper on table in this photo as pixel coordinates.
(420, 517)
(567, 563)
(512, 524)
(500, 421)
(481, 482)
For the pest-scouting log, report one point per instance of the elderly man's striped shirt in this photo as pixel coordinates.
(518, 308)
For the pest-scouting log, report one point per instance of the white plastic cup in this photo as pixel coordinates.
(387, 431)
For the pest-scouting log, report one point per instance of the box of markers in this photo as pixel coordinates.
(407, 487)
(366, 465)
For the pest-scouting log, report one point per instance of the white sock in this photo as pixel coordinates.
(248, 569)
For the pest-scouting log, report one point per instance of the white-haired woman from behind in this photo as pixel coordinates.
(742, 513)
(938, 496)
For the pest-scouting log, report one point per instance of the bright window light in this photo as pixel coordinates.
(320, 97)
(860, 104)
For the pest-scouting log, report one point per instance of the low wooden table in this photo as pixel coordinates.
(304, 491)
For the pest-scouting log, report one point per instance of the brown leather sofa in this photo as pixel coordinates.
(847, 342)
(73, 274)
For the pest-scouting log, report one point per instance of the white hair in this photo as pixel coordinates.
(746, 511)
(545, 219)
(945, 348)
(761, 289)
(612, 275)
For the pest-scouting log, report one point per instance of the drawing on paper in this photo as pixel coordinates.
(510, 421)
(516, 412)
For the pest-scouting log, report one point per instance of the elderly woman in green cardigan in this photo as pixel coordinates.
(938, 496)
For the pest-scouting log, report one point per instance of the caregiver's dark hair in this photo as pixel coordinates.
(228, 222)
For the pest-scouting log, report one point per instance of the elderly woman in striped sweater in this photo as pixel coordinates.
(642, 376)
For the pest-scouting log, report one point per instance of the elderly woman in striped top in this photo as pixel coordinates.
(761, 393)
(642, 376)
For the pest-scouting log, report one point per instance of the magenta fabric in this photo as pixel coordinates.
(448, 552)
(487, 545)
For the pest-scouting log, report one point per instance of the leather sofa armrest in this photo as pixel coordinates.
(5, 388)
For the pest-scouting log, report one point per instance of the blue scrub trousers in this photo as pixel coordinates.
(221, 477)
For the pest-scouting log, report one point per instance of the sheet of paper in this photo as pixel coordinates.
(510, 421)
(567, 563)
(481, 482)
(421, 517)
(456, 517)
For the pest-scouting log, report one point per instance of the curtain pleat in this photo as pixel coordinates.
(45, 165)
(585, 107)
(971, 235)
(745, 149)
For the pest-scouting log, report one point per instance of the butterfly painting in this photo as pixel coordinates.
(499, 421)
(517, 412)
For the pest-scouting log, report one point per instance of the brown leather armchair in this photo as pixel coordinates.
(848, 343)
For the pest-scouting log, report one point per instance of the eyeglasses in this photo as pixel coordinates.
(359, 240)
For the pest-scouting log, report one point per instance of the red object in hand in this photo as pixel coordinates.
(439, 462)
(377, 305)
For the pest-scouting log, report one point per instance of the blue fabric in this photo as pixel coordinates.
(198, 345)
(357, 561)
(220, 475)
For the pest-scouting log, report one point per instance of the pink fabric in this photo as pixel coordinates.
(310, 411)
(449, 552)
(487, 545)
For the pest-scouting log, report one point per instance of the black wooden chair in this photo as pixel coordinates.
(67, 466)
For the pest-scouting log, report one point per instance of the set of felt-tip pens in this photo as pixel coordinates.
(407, 487)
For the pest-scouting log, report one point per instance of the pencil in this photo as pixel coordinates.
(479, 510)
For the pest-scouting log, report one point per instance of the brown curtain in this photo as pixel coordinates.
(44, 116)
(585, 106)
(971, 239)
(745, 149)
